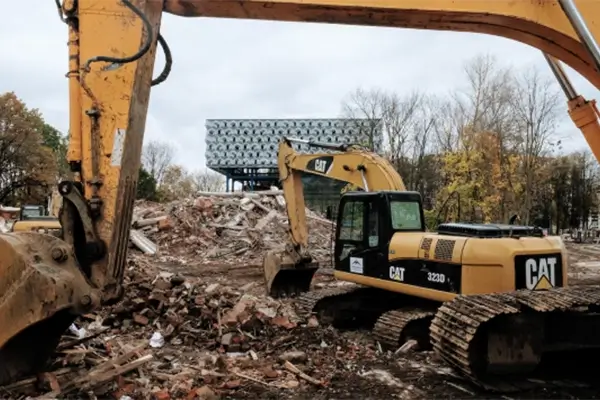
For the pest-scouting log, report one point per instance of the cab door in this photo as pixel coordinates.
(360, 248)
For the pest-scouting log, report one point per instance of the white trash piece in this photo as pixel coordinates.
(79, 332)
(157, 340)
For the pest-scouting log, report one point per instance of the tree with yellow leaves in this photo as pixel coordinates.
(28, 168)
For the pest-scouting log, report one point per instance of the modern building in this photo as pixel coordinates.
(245, 150)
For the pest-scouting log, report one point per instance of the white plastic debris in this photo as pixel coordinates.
(3, 226)
(157, 340)
(79, 332)
(124, 397)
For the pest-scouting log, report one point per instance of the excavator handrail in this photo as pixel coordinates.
(327, 146)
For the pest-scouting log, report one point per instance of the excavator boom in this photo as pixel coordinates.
(290, 272)
(111, 54)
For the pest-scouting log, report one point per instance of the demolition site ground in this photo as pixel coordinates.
(195, 324)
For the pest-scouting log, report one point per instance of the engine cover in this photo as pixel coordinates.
(488, 230)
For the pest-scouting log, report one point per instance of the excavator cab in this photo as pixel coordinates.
(29, 212)
(365, 225)
(34, 218)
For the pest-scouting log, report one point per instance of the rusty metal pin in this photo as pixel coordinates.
(59, 254)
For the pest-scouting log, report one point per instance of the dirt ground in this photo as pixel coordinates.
(195, 363)
(376, 376)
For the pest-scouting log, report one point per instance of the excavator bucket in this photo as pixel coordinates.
(286, 277)
(42, 290)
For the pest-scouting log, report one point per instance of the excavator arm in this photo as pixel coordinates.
(583, 113)
(290, 272)
(46, 283)
(353, 165)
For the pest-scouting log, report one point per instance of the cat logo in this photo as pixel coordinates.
(321, 166)
(397, 274)
(540, 273)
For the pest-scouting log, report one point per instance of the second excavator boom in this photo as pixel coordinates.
(290, 272)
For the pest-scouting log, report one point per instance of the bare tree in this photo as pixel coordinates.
(389, 113)
(423, 145)
(486, 103)
(406, 122)
(448, 123)
(400, 119)
(157, 156)
(483, 112)
(208, 181)
(535, 108)
(365, 109)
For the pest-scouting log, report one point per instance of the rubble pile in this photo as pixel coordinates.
(181, 338)
(205, 336)
(227, 227)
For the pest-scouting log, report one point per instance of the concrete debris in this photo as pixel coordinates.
(192, 326)
(175, 336)
(228, 227)
(142, 242)
(157, 340)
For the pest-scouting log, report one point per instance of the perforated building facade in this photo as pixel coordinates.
(245, 150)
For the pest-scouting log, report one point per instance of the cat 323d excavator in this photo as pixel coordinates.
(47, 282)
(404, 273)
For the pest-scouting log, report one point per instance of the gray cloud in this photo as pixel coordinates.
(255, 69)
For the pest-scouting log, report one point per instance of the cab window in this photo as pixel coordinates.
(405, 215)
(373, 221)
(352, 221)
(30, 213)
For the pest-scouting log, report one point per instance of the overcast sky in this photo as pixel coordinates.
(254, 69)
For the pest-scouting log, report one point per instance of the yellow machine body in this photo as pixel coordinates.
(484, 265)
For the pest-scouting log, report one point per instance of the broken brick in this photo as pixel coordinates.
(232, 384)
(161, 395)
(140, 319)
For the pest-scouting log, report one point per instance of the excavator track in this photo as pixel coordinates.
(349, 307)
(396, 326)
(307, 302)
(462, 332)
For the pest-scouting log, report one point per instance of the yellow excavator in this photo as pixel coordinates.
(36, 218)
(404, 272)
(46, 282)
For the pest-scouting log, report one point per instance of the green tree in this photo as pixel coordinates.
(27, 167)
(146, 187)
(58, 142)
